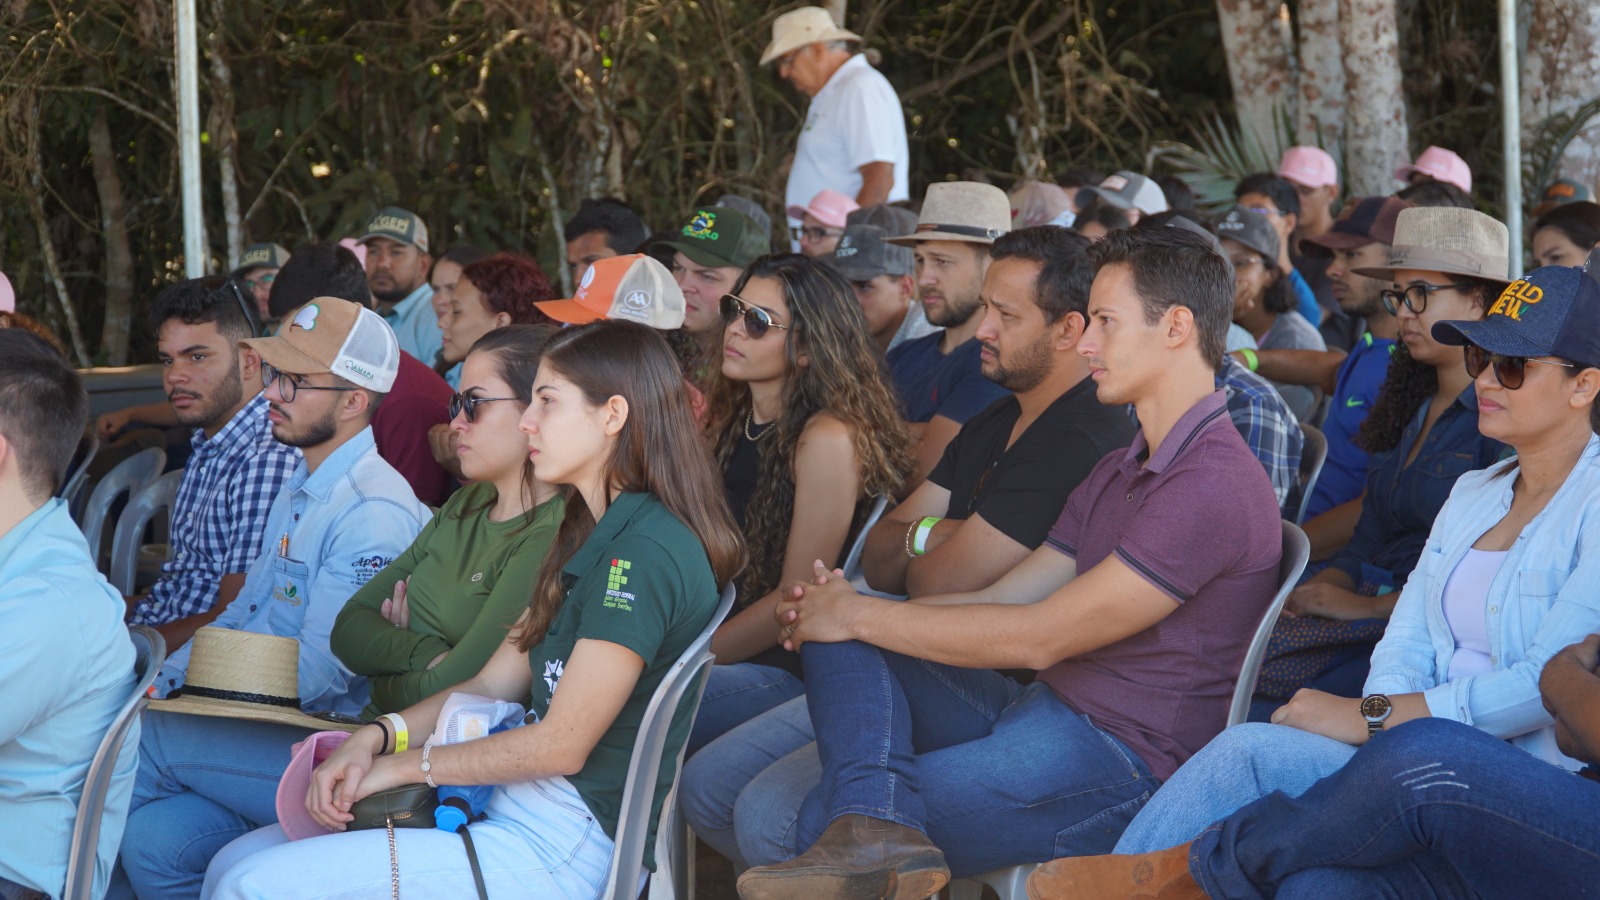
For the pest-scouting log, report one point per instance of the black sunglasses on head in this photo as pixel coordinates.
(1508, 370)
(756, 319)
(246, 309)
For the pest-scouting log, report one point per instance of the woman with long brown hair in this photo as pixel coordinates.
(629, 583)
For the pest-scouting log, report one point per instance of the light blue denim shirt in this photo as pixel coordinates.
(1545, 597)
(416, 328)
(344, 523)
(66, 668)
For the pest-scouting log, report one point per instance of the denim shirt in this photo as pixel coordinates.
(1545, 597)
(1402, 501)
(416, 327)
(344, 523)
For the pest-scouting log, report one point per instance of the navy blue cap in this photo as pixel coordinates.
(1552, 311)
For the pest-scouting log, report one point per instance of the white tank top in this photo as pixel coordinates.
(1466, 598)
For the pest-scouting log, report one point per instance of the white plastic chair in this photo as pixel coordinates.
(127, 478)
(852, 560)
(150, 651)
(77, 475)
(126, 541)
(1313, 454)
(680, 689)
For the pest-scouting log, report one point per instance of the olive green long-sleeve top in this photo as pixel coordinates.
(470, 580)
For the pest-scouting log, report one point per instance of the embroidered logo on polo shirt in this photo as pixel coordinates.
(616, 597)
(477, 577)
(553, 668)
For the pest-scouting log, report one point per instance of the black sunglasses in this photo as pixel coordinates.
(756, 319)
(1508, 370)
(1414, 297)
(218, 283)
(461, 403)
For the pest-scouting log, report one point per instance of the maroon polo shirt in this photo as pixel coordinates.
(1199, 521)
(419, 400)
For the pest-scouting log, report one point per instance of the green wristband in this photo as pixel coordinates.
(1251, 361)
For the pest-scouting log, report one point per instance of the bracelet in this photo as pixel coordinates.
(402, 736)
(427, 767)
(384, 727)
(911, 531)
(1251, 360)
(919, 544)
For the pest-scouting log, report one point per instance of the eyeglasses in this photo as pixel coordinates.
(288, 387)
(1508, 370)
(1240, 262)
(263, 281)
(462, 403)
(246, 309)
(756, 319)
(1268, 211)
(1414, 296)
(814, 232)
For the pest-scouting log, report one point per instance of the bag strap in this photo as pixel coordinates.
(394, 861)
(472, 860)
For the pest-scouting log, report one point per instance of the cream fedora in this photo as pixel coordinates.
(1449, 240)
(799, 27)
(960, 211)
(243, 675)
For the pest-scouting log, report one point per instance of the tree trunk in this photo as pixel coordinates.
(1259, 66)
(119, 255)
(1376, 134)
(1322, 94)
(224, 138)
(47, 246)
(1561, 72)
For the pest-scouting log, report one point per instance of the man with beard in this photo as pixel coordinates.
(397, 270)
(938, 376)
(236, 469)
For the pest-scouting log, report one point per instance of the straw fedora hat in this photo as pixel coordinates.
(244, 675)
(961, 211)
(1448, 240)
(799, 27)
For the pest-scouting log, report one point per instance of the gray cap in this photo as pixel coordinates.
(863, 254)
(1251, 229)
(749, 208)
(892, 219)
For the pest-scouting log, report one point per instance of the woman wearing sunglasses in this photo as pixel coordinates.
(1507, 581)
(807, 431)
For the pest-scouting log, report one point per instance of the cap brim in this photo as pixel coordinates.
(1113, 199)
(569, 311)
(254, 712)
(1493, 335)
(854, 271)
(393, 237)
(699, 255)
(284, 356)
(1323, 245)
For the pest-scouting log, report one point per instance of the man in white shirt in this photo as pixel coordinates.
(854, 140)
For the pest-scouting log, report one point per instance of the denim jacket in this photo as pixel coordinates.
(1402, 501)
(1545, 597)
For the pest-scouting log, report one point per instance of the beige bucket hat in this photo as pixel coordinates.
(243, 675)
(1449, 240)
(799, 27)
(960, 211)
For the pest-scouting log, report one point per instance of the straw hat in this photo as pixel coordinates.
(799, 27)
(961, 211)
(244, 675)
(1448, 240)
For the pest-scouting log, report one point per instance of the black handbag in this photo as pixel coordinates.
(409, 806)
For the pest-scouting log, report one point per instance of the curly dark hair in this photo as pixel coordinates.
(511, 284)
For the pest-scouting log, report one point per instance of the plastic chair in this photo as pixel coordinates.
(680, 688)
(150, 651)
(128, 478)
(1313, 453)
(77, 474)
(127, 540)
(852, 560)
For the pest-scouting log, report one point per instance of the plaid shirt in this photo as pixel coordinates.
(1268, 427)
(220, 512)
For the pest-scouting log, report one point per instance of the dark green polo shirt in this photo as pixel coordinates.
(641, 580)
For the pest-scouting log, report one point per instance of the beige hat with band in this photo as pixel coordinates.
(1447, 240)
(960, 211)
(799, 27)
(244, 675)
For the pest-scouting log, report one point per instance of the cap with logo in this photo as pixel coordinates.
(337, 336)
(1440, 165)
(864, 253)
(1553, 311)
(1559, 193)
(829, 207)
(1310, 167)
(799, 27)
(261, 256)
(748, 207)
(892, 219)
(1361, 222)
(1447, 240)
(633, 287)
(960, 211)
(1130, 190)
(1184, 223)
(720, 237)
(1251, 229)
(398, 224)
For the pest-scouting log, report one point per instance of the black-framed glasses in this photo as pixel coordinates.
(288, 387)
(461, 403)
(814, 232)
(1414, 296)
(261, 280)
(246, 308)
(1510, 371)
(756, 319)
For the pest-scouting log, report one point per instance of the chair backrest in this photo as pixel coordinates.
(1296, 551)
(1313, 453)
(128, 477)
(150, 651)
(143, 506)
(77, 474)
(852, 560)
(683, 683)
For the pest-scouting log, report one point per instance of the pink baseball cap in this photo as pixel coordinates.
(828, 207)
(8, 295)
(1440, 165)
(291, 800)
(356, 247)
(1310, 167)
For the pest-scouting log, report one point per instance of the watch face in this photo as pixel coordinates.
(1375, 707)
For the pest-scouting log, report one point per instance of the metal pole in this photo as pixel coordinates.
(187, 52)
(1511, 129)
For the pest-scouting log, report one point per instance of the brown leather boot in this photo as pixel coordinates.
(1146, 876)
(857, 858)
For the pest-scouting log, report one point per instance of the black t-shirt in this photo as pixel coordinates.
(1020, 491)
(744, 469)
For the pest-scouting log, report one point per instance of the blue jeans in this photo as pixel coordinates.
(1432, 808)
(202, 782)
(737, 693)
(713, 796)
(996, 774)
(1237, 767)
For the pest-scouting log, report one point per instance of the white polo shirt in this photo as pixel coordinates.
(854, 120)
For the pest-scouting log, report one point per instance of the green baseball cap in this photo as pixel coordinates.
(719, 236)
(398, 224)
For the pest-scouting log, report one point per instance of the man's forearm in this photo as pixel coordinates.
(1572, 694)
(1312, 368)
(954, 629)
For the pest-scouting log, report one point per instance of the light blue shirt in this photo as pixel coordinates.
(453, 377)
(344, 523)
(66, 667)
(1545, 597)
(416, 327)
